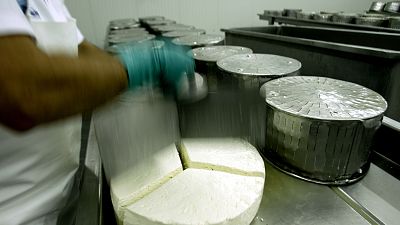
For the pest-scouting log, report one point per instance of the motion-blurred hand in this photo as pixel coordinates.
(151, 65)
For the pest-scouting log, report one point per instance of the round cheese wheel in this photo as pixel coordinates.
(200, 197)
(222, 182)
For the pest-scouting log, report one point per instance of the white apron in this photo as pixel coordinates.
(37, 167)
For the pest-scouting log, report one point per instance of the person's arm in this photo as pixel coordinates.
(37, 88)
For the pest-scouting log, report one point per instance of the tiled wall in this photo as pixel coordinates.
(93, 15)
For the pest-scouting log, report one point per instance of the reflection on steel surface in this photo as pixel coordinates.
(199, 40)
(260, 65)
(215, 53)
(323, 98)
(182, 33)
(321, 128)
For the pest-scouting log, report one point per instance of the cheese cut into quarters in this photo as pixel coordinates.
(200, 197)
(232, 155)
(144, 178)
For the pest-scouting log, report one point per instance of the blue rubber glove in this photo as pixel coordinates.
(149, 65)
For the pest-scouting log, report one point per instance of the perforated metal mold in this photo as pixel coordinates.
(264, 65)
(198, 40)
(215, 53)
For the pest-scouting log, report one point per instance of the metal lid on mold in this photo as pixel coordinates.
(116, 49)
(123, 26)
(127, 35)
(159, 22)
(127, 31)
(126, 20)
(260, 65)
(141, 38)
(377, 6)
(172, 27)
(323, 98)
(199, 40)
(215, 53)
(182, 33)
(148, 18)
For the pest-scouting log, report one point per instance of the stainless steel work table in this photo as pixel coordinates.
(287, 200)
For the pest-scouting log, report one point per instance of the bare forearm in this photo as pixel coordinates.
(42, 88)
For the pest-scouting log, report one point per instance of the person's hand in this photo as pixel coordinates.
(151, 65)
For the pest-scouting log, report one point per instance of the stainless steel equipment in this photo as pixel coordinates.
(172, 27)
(242, 77)
(324, 17)
(394, 22)
(127, 31)
(213, 116)
(182, 33)
(159, 22)
(139, 38)
(370, 59)
(377, 7)
(115, 49)
(321, 129)
(392, 7)
(343, 18)
(195, 41)
(291, 12)
(372, 21)
(149, 18)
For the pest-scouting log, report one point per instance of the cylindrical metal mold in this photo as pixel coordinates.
(323, 17)
(127, 35)
(171, 27)
(129, 24)
(126, 21)
(394, 22)
(392, 7)
(182, 33)
(134, 39)
(377, 7)
(148, 18)
(206, 60)
(242, 78)
(291, 12)
(195, 41)
(320, 129)
(305, 15)
(215, 115)
(378, 21)
(273, 12)
(128, 31)
(344, 18)
(159, 22)
(115, 49)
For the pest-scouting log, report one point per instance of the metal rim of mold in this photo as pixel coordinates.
(283, 167)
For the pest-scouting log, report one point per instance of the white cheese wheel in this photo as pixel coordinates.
(232, 155)
(143, 178)
(200, 197)
(222, 183)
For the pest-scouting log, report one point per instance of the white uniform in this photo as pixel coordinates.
(37, 167)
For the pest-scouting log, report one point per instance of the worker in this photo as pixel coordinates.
(49, 74)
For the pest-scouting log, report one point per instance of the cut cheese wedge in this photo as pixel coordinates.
(200, 197)
(144, 178)
(232, 155)
(221, 182)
